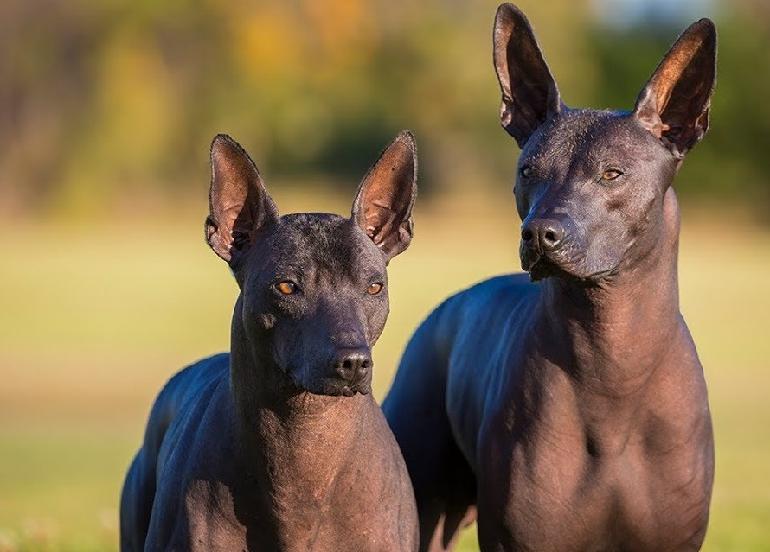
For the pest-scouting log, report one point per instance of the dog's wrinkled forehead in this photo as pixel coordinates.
(324, 242)
(589, 135)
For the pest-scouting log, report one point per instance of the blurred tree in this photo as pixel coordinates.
(101, 103)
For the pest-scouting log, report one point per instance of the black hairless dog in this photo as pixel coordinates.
(571, 413)
(279, 445)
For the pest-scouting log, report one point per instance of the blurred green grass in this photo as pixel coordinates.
(95, 318)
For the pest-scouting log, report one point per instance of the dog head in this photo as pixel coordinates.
(313, 286)
(591, 185)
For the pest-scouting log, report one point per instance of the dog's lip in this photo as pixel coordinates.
(350, 391)
(332, 389)
(543, 266)
(534, 261)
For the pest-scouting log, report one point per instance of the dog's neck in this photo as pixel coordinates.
(291, 445)
(615, 335)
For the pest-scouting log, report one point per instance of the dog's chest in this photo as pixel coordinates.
(221, 516)
(551, 490)
(211, 518)
(217, 519)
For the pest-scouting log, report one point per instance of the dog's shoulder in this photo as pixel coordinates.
(198, 375)
(483, 305)
(187, 383)
(495, 292)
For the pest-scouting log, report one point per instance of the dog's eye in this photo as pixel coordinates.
(525, 171)
(611, 174)
(286, 287)
(374, 288)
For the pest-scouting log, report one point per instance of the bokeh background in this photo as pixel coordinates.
(106, 286)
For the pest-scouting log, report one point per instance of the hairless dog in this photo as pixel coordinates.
(279, 445)
(570, 412)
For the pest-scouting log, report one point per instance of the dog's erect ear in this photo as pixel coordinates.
(529, 91)
(674, 104)
(238, 202)
(383, 204)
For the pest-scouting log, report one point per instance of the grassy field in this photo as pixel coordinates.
(93, 319)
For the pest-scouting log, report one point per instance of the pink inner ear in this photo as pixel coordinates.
(379, 217)
(674, 105)
(384, 201)
(652, 122)
(219, 243)
(387, 190)
(238, 200)
(674, 69)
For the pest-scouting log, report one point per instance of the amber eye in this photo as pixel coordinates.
(525, 171)
(286, 287)
(611, 174)
(374, 288)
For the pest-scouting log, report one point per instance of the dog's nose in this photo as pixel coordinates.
(353, 365)
(542, 234)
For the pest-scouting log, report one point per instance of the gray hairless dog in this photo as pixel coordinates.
(571, 413)
(279, 445)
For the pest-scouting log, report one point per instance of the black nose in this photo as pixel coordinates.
(353, 365)
(542, 234)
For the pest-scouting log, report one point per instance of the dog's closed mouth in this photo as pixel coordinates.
(349, 391)
(333, 389)
(543, 267)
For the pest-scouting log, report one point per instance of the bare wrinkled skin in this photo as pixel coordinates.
(279, 445)
(571, 413)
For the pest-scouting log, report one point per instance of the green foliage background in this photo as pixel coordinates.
(104, 103)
